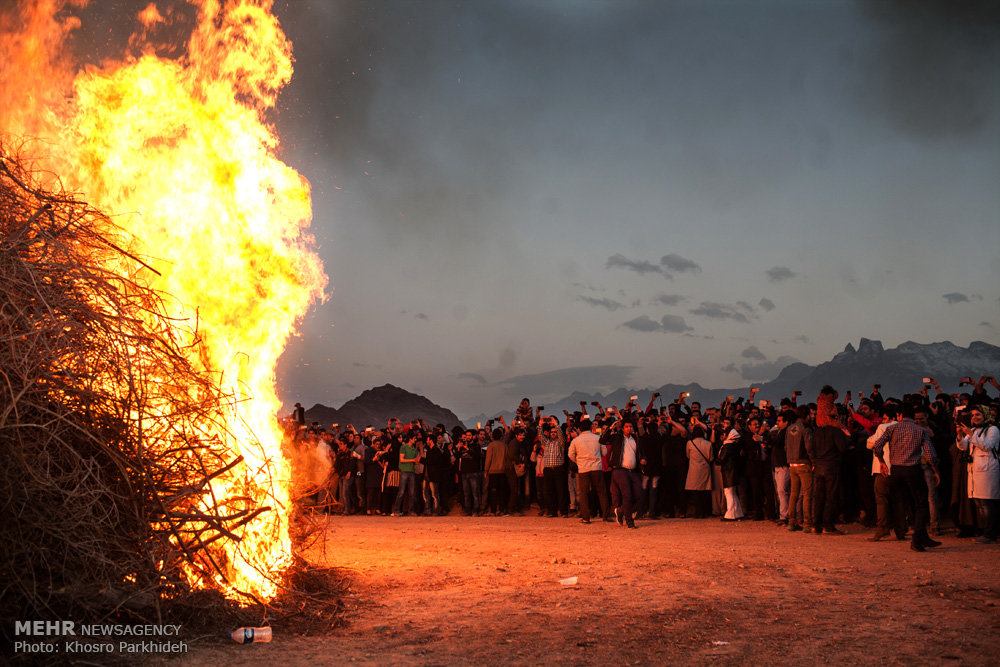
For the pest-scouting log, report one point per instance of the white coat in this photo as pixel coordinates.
(984, 470)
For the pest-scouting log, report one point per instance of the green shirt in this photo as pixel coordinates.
(407, 452)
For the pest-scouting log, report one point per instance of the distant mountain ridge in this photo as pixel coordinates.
(375, 406)
(899, 370)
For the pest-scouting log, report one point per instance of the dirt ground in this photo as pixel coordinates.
(462, 590)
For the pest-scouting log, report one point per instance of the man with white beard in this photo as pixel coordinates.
(585, 451)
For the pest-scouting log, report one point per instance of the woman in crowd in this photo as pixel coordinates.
(982, 441)
(699, 473)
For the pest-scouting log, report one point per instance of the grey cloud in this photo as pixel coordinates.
(730, 368)
(752, 353)
(476, 377)
(420, 316)
(610, 304)
(955, 297)
(639, 266)
(767, 370)
(719, 311)
(642, 323)
(358, 364)
(668, 299)
(745, 306)
(667, 324)
(778, 273)
(766, 304)
(675, 262)
(674, 323)
(803, 339)
(567, 380)
(986, 324)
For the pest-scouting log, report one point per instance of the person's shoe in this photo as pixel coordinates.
(833, 530)
(878, 536)
(395, 514)
(982, 539)
(793, 527)
(608, 519)
(917, 547)
(928, 542)
(618, 516)
(584, 520)
(630, 524)
(808, 529)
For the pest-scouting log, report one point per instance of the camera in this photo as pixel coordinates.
(541, 407)
(927, 381)
(685, 394)
(965, 380)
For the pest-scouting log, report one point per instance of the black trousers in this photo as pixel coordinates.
(556, 489)
(825, 496)
(910, 486)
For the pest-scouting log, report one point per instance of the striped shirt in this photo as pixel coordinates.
(907, 443)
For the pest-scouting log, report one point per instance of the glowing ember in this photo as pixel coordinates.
(178, 150)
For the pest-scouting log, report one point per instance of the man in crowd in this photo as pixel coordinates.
(829, 445)
(798, 445)
(626, 458)
(554, 473)
(907, 443)
(586, 450)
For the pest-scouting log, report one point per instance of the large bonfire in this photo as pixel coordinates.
(156, 313)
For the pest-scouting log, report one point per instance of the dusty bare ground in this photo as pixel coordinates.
(459, 590)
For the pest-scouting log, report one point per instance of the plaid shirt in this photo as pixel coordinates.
(553, 450)
(907, 443)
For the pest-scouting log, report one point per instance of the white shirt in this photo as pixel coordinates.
(628, 454)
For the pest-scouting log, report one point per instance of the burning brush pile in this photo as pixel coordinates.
(108, 433)
(140, 456)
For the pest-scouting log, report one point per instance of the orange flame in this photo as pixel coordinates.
(180, 151)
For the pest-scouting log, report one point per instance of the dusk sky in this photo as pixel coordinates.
(527, 198)
(530, 197)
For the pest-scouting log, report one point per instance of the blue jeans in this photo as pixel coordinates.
(989, 509)
(650, 494)
(472, 490)
(407, 483)
(782, 488)
(432, 496)
(347, 492)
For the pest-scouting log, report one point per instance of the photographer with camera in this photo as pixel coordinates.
(981, 441)
(555, 476)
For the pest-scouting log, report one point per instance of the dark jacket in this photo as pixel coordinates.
(798, 443)
(615, 442)
(829, 443)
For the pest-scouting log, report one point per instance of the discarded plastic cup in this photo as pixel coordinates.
(569, 581)
(251, 635)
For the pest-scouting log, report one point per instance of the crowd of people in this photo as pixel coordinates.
(912, 465)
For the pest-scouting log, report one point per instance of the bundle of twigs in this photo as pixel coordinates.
(109, 433)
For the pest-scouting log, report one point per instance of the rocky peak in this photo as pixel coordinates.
(870, 347)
